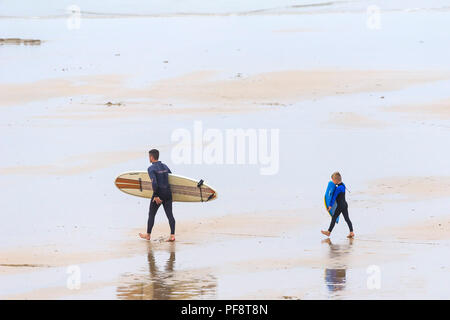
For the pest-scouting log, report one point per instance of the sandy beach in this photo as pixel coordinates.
(85, 95)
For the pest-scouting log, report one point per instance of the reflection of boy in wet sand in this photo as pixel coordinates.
(342, 206)
(336, 274)
(159, 174)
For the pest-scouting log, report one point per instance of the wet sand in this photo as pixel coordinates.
(206, 88)
(78, 110)
(432, 110)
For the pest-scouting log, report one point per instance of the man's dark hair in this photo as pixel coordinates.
(154, 153)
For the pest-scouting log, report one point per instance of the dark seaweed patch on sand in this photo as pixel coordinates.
(18, 42)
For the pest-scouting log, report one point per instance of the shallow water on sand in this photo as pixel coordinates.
(297, 268)
(49, 8)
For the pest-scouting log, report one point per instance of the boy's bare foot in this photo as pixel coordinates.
(171, 239)
(145, 236)
(351, 235)
(327, 233)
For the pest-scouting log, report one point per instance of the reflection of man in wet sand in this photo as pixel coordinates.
(166, 282)
(159, 175)
(162, 289)
(160, 285)
(335, 278)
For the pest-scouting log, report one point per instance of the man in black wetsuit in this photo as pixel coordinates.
(342, 206)
(159, 175)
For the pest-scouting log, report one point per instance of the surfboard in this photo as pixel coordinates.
(183, 189)
(327, 199)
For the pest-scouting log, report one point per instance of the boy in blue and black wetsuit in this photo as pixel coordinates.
(159, 175)
(342, 206)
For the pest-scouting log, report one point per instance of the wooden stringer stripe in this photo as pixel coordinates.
(129, 181)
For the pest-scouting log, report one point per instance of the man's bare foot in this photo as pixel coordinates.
(171, 239)
(327, 233)
(351, 235)
(145, 236)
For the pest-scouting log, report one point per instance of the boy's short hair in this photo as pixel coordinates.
(154, 153)
(336, 175)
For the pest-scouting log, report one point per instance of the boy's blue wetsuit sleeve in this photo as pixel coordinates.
(335, 194)
(168, 169)
(152, 176)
